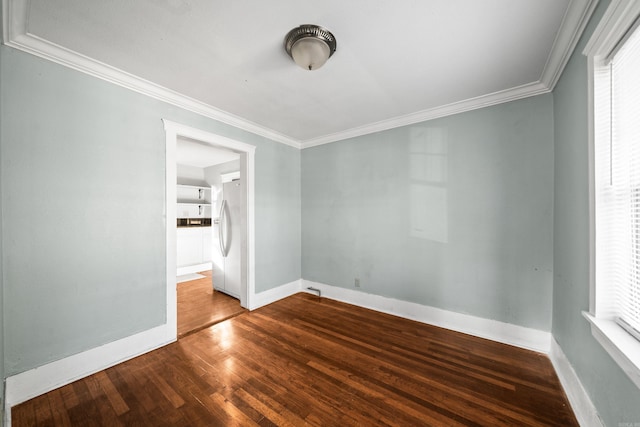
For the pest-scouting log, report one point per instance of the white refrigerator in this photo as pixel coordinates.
(227, 231)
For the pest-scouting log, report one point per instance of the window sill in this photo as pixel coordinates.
(620, 345)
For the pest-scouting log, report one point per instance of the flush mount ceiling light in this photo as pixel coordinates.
(310, 46)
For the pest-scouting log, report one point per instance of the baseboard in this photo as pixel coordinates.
(24, 386)
(181, 271)
(27, 385)
(272, 295)
(518, 336)
(578, 398)
(494, 330)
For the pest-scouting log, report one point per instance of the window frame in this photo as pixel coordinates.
(619, 17)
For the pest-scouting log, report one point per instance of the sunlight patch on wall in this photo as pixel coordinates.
(428, 183)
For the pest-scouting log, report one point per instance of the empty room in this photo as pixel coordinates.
(320, 213)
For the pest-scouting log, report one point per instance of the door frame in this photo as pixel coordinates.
(247, 170)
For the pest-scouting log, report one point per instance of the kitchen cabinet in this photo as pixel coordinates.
(194, 240)
(193, 248)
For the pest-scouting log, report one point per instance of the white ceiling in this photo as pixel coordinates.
(397, 62)
(199, 154)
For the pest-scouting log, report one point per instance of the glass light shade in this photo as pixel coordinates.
(310, 53)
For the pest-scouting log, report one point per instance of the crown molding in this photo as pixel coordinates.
(616, 21)
(15, 16)
(15, 34)
(495, 98)
(573, 24)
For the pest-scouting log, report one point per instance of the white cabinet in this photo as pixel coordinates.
(194, 248)
(194, 240)
(207, 244)
(189, 246)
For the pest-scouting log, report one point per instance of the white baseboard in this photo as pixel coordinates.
(578, 398)
(518, 336)
(27, 385)
(24, 386)
(188, 269)
(272, 295)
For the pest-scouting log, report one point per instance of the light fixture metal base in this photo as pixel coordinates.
(309, 31)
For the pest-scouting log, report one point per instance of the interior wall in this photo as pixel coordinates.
(614, 395)
(2, 320)
(454, 213)
(278, 203)
(212, 175)
(190, 175)
(84, 257)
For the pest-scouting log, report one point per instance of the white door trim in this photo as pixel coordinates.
(247, 165)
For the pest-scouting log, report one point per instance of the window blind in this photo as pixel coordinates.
(622, 192)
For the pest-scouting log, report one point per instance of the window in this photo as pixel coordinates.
(614, 67)
(617, 180)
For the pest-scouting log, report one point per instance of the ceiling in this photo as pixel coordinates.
(396, 62)
(200, 154)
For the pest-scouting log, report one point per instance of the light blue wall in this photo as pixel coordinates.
(83, 196)
(278, 201)
(454, 213)
(461, 213)
(614, 395)
(2, 376)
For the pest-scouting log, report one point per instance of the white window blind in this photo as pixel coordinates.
(618, 188)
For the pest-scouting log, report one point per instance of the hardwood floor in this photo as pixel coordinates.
(305, 360)
(199, 306)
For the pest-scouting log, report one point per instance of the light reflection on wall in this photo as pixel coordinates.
(428, 183)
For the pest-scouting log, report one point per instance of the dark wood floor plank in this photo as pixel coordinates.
(68, 396)
(134, 381)
(168, 392)
(295, 375)
(43, 413)
(382, 398)
(23, 415)
(59, 409)
(235, 416)
(459, 380)
(373, 368)
(297, 384)
(327, 350)
(265, 406)
(310, 361)
(117, 404)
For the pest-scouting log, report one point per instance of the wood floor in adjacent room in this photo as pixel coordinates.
(305, 360)
(200, 306)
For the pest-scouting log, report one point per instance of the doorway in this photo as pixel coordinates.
(208, 245)
(175, 133)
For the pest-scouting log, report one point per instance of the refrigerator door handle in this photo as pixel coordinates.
(222, 222)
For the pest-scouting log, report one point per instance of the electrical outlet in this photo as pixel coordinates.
(356, 282)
